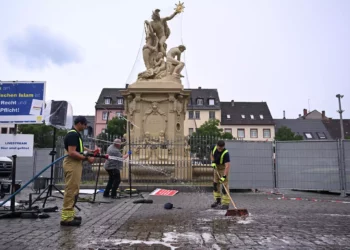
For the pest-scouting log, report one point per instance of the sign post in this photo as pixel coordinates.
(20, 103)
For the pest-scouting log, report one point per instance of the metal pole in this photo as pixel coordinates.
(340, 111)
(129, 138)
(13, 185)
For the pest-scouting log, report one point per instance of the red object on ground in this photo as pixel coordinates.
(164, 192)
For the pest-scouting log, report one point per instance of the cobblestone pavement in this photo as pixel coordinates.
(272, 224)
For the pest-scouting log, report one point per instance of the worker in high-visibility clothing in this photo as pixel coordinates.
(220, 158)
(73, 167)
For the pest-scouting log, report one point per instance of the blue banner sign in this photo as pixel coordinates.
(22, 102)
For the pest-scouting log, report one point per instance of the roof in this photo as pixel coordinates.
(301, 126)
(235, 110)
(333, 127)
(204, 94)
(112, 93)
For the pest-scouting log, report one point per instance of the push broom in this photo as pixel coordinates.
(236, 211)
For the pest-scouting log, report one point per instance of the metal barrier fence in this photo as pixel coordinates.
(346, 153)
(251, 164)
(308, 165)
(303, 165)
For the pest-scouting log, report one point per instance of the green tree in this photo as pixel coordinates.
(211, 128)
(347, 137)
(285, 134)
(43, 134)
(206, 136)
(117, 127)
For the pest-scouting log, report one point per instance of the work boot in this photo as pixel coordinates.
(78, 218)
(216, 203)
(73, 223)
(224, 207)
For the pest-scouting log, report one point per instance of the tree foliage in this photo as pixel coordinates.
(285, 134)
(211, 128)
(43, 134)
(205, 137)
(117, 127)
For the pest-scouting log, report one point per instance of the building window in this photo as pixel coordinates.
(240, 133)
(190, 114)
(198, 115)
(308, 136)
(211, 102)
(107, 100)
(253, 133)
(103, 131)
(321, 135)
(243, 116)
(120, 101)
(211, 115)
(200, 101)
(12, 130)
(228, 116)
(267, 133)
(3, 130)
(252, 117)
(119, 114)
(228, 130)
(261, 117)
(190, 131)
(104, 116)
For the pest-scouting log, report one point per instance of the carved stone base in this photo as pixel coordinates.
(157, 108)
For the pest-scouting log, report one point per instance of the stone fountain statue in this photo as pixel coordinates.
(158, 63)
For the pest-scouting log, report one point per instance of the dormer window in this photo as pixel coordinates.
(261, 117)
(211, 102)
(200, 101)
(252, 117)
(228, 116)
(107, 100)
(120, 101)
(243, 116)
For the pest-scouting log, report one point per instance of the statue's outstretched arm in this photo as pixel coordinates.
(171, 16)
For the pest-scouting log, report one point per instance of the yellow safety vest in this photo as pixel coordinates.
(222, 155)
(80, 140)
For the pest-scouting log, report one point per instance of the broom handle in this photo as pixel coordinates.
(228, 193)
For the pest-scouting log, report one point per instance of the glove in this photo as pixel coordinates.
(222, 179)
(129, 152)
(213, 165)
(96, 151)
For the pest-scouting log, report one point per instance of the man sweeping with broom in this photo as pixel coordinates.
(220, 158)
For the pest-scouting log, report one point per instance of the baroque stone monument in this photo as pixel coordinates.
(156, 103)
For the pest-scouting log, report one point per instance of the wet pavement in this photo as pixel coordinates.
(313, 222)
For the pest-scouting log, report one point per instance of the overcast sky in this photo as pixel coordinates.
(288, 53)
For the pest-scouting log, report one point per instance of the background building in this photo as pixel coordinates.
(109, 104)
(251, 121)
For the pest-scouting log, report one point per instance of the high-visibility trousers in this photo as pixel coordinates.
(225, 200)
(72, 169)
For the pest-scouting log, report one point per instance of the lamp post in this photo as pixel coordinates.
(340, 111)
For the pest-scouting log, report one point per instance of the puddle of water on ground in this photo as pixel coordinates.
(117, 242)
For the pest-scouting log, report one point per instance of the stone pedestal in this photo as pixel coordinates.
(157, 108)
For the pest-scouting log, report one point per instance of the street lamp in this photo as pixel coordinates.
(340, 111)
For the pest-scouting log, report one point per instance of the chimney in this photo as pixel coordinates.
(323, 115)
(305, 112)
(126, 85)
(199, 87)
(284, 114)
(232, 103)
(299, 115)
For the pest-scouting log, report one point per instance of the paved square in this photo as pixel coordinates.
(191, 224)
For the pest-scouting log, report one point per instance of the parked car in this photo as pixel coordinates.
(5, 167)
